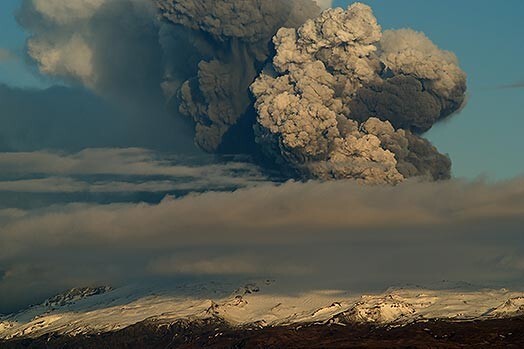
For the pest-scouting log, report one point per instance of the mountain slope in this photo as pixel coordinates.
(91, 311)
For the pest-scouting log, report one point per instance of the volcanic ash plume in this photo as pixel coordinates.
(344, 100)
(234, 36)
(337, 97)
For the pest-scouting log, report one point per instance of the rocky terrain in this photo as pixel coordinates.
(499, 333)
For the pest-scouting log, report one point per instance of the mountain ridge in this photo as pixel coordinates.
(91, 311)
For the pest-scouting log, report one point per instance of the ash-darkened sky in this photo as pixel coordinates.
(144, 140)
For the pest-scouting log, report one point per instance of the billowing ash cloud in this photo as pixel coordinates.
(420, 84)
(344, 99)
(234, 36)
(337, 97)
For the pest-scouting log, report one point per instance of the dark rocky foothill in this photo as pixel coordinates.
(500, 333)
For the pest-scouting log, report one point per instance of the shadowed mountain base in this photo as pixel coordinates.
(503, 333)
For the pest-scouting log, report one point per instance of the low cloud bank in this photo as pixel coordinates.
(30, 180)
(371, 236)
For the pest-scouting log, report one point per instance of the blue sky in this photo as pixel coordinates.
(485, 139)
(14, 71)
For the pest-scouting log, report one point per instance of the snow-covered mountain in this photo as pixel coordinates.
(103, 309)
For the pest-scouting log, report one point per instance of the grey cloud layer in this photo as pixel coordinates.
(126, 170)
(469, 231)
(123, 161)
